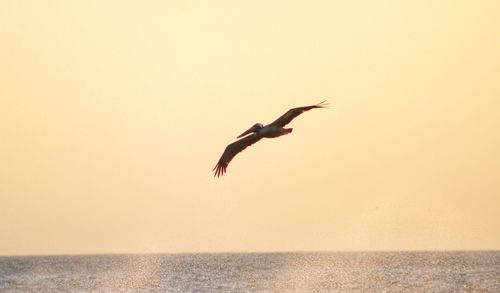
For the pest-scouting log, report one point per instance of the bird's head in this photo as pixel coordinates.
(255, 128)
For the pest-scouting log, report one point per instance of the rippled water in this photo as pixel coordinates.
(255, 272)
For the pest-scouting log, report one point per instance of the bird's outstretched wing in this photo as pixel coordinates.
(232, 150)
(292, 113)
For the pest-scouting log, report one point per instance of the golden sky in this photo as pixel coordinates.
(113, 114)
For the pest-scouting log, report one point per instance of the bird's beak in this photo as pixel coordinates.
(250, 130)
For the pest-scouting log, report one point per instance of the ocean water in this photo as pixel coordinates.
(255, 272)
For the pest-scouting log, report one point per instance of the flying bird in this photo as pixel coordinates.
(257, 132)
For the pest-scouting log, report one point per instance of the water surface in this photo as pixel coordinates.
(255, 272)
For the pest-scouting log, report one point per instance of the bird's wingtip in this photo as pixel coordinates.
(219, 170)
(323, 104)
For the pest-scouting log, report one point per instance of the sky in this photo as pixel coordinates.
(113, 114)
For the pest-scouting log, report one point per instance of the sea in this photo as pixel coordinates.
(453, 271)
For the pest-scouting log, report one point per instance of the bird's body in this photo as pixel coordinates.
(257, 132)
(272, 131)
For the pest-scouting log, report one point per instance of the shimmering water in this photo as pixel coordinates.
(255, 272)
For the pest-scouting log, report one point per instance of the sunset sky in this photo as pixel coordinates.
(113, 114)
